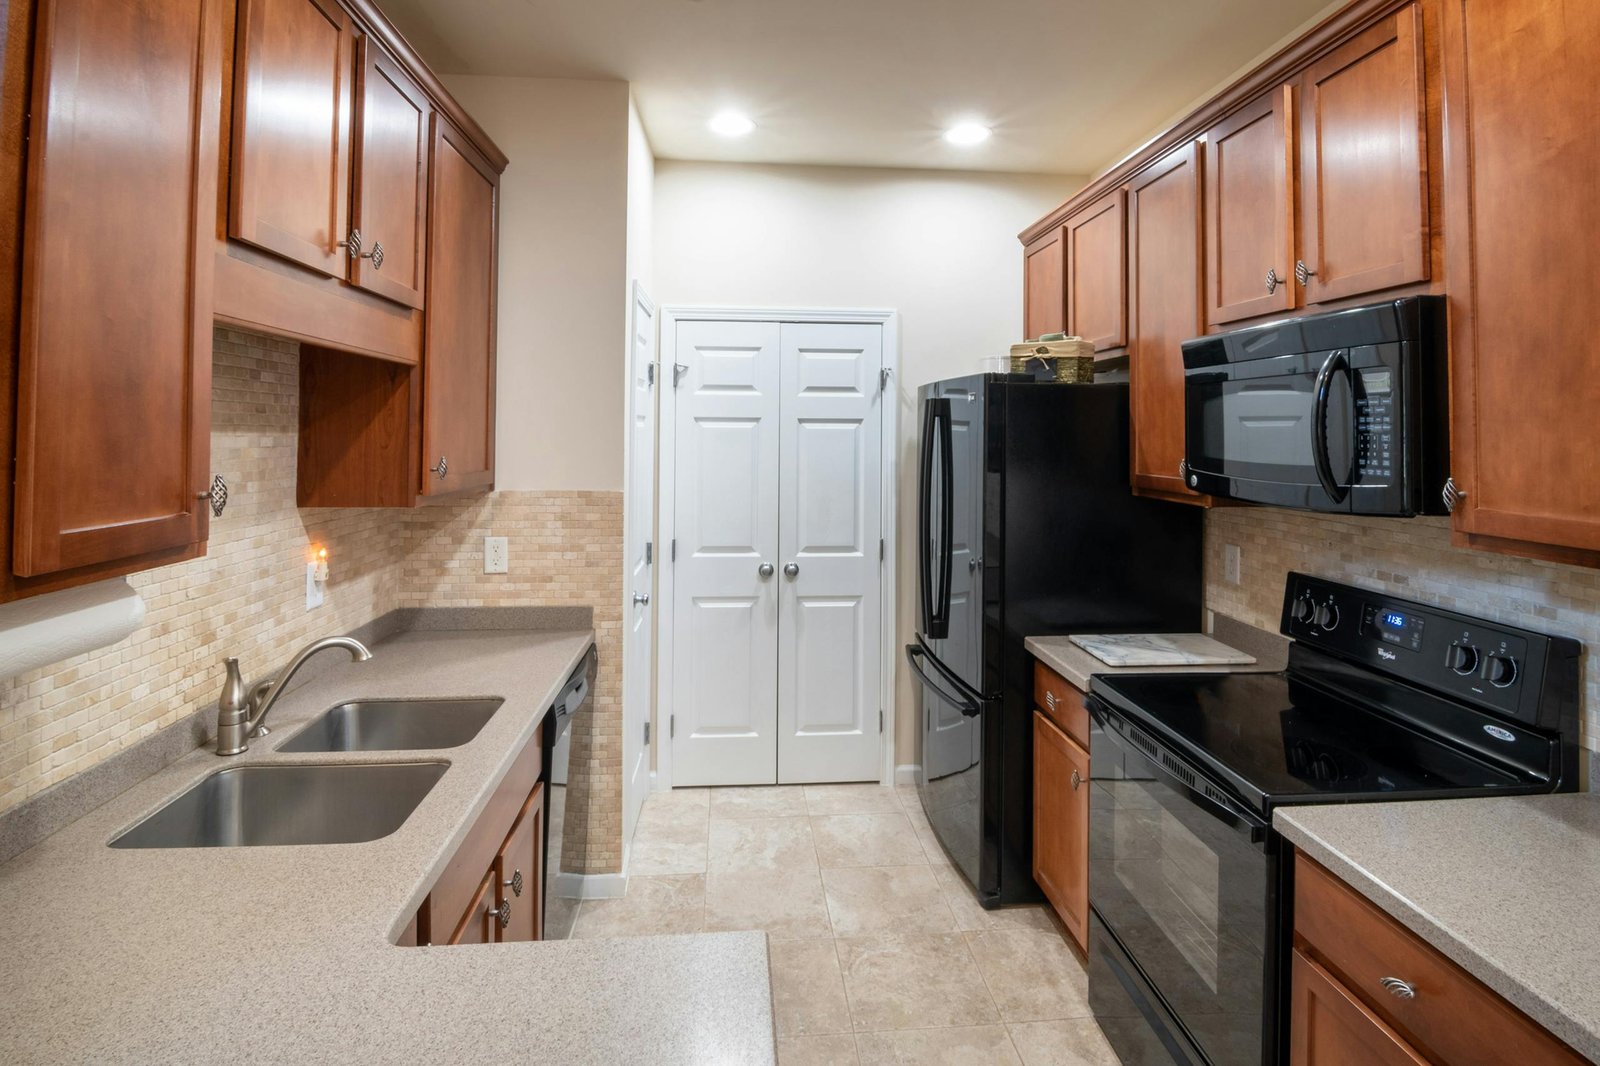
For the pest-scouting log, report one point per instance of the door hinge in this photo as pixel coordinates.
(672, 726)
(649, 552)
(673, 548)
(647, 732)
(678, 370)
(650, 374)
(883, 378)
(880, 720)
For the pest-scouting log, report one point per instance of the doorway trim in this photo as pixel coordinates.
(639, 303)
(666, 452)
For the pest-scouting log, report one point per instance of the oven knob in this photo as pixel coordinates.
(1327, 617)
(1303, 609)
(1500, 670)
(1462, 658)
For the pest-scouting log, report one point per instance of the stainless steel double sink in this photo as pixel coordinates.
(253, 806)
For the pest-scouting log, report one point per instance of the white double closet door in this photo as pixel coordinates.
(777, 573)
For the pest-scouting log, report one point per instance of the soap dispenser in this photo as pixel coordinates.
(233, 712)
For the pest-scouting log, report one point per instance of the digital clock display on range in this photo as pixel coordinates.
(1393, 620)
(1394, 626)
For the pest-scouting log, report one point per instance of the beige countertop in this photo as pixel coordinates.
(285, 954)
(1078, 666)
(1507, 888)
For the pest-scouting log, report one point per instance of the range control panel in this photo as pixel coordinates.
(1519, 673)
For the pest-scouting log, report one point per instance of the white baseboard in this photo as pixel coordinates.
(907, 774)
(590, 886)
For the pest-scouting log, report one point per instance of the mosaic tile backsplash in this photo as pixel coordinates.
(246, 597)
(1412, 558)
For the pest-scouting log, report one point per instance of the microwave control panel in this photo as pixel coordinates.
(1375, 414)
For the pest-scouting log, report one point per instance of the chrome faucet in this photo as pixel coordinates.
(242, 716)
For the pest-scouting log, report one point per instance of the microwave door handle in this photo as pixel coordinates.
(967, 707)
(1319, 426)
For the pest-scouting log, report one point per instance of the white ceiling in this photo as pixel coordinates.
(1068, 85)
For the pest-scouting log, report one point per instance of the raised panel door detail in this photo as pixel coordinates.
(391, 186)
(290, 174)
(1164, 293)
(1249, 182)
(1329, 1026)
(1363, 163)
(1097, 273)
(517, 868)
(830, 497)
(725, 521)
(1044, 293)
(1061, 824)
(1520, 96)
(458, 350)
(114, 348)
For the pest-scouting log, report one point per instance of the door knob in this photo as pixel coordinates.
(641, 599)
(791, 569)
(765, 569)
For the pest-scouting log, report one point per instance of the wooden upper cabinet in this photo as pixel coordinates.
(1061, 824)
(293, 91)
(1363, 164)
(458, 349)
(1165, 272)
(1520, 96)
(1097, 272)
(390, 207)
(113, 393)
(1044, 287)
(1249, 184)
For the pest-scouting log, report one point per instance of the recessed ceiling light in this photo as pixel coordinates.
(967, 134)
(731, 123)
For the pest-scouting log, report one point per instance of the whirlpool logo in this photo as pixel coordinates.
(1385, 653)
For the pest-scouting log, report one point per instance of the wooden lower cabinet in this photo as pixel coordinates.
(481, 924)
(1061, 824)
(518, 867)
(1352, 971)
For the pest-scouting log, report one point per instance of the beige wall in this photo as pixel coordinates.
(563, 259)
(939, 247)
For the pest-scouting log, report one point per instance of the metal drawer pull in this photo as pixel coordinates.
(515, 884)
(1076, 780)
(1398, 988)
(501, 913)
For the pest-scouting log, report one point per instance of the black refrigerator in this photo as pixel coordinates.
(1026, 526)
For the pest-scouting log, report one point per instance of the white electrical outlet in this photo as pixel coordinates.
(496, 555)
(314, 594)
(1230, 563)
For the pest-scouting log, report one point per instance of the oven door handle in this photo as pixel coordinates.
(914, 652)
(1235, 817)
(1336, 360)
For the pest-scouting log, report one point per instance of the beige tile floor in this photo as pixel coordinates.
(880, 953)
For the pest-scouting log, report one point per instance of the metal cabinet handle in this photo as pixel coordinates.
(1077, 780)
(641, 599)
(791, 569)
(502, 913)
(515, 884)
(1273, 281)
(1398, 988)
(217, 494)
(1453, 495)
(376, 255)
(352, 244)
(1303, 273)
(764, 570)
(440, 467)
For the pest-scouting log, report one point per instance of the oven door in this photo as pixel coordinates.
(1320, 431)
(1183, 880)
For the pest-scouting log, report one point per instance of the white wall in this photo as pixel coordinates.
(564, 257)
(940, 247)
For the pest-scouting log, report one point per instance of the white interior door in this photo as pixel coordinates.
(830, 495)
(725, 521)
(639, 642)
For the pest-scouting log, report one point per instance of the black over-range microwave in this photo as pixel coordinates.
(1345, 411)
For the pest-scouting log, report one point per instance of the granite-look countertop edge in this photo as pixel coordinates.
(1506, 888)
(1271, 652)
(285, 954)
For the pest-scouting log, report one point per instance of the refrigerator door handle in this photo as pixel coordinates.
(914, 653)
(935, 605)
(947, 497)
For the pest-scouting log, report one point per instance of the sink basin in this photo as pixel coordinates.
(252, 806)
(394, 725)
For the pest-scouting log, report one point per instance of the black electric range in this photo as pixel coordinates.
(1189, 886)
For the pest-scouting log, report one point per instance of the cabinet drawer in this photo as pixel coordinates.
(1062, 703)
(1453, 1019)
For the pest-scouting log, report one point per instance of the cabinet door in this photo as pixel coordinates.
(458, 352)
(114, 367)
(292, 91)
(1044, 303)
(1522, 213)
(481, 924)
(1061, 824)
(1097, 271)
(520, 864)
(1249, 181)
(1164, 293)
(1364, 164)
(1330, 1027)
(390, 210)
